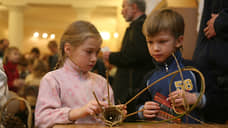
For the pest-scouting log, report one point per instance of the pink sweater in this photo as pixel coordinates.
(64, 89)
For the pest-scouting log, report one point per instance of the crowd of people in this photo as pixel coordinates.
(71, 84)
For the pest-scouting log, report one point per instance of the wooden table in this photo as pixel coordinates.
(145, 125)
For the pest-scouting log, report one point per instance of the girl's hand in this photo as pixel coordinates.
(150, 109)
(123, 108)
(179, 96)
(93, 108)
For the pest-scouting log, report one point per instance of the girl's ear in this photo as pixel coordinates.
(67, 49)
(179, 41)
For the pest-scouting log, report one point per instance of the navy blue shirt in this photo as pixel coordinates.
(189, 79)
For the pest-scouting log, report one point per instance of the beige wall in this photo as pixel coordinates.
(190, 34)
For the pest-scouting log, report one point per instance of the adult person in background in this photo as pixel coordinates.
(133, 60)
(210, 54)
(53, 58)
(4, 44)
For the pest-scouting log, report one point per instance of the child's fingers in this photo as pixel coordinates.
(179, 102)
(95, 108)
(177, 92)
(151, 106)
(150, 113)
(122, 106)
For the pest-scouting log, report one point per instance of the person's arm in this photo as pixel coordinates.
(49, 110)
(135, 52)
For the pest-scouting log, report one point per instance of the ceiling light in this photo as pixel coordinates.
(52, 36)
(116, 35)
(45, 35)
(36, 34)
(105, 35)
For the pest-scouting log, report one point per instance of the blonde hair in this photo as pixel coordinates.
(75, 35)
(39, 68)
(164, 20)
(7, 52)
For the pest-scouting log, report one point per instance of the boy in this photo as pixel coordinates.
(164, 33)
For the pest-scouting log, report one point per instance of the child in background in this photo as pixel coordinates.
(10, 61)
(23, 67)
(65, 95)
(32, 81)
(164, 33)
(39, 69)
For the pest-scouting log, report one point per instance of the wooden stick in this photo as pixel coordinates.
(133, 113)
(107, 74)
(97, 100)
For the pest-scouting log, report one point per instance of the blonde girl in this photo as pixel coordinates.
(65, 95)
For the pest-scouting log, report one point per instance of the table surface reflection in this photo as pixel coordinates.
(144, 125)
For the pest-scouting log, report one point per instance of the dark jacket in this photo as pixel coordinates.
(133, 61)
(162, 86)
(210, 54)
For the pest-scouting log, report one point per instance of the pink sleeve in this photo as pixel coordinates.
(49, 110)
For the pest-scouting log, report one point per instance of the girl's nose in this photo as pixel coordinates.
(94, 58)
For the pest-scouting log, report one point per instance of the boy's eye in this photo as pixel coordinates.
(163, 41)
(149, 41)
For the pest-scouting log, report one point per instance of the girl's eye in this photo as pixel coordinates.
(89, 52)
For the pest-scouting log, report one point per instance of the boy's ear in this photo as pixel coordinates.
(179, 41)
(67, 48)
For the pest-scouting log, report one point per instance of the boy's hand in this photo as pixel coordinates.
(150, 109)
(179, 96)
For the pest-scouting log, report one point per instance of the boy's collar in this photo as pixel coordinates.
(170, 59)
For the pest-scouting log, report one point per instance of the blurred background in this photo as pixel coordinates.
(32, 23)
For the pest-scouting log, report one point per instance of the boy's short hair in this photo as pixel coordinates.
(164, 20)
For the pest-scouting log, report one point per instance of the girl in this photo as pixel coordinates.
(65, 95)
(10, 61)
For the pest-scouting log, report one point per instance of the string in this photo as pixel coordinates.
(186, 106)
